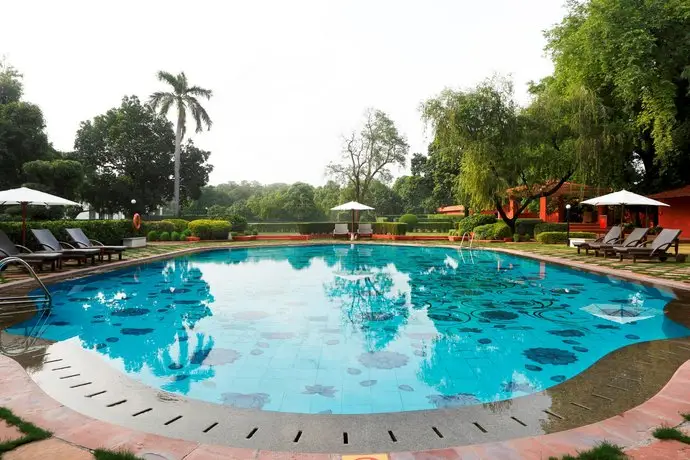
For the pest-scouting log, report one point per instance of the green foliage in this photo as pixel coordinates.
(185, 234)
(30, 431)
(105, 231)
(666, 432)
(299, 201)
(60, 177)
(469, 223)
(561, 237)
(604, 451)
(158, 225)
(409, 219)
(369, 154)
(275, 227)
(526, 226)
(237, 222)
(432, 226)
(104, 454)
(382, 219)
(11, 85)
(389, 228)
(686, 417)
(164, 236)
(175, 236)
(179, 225)
(153, 235)
(208, 229)
(495, 231)
(549, 227)
(317, 228)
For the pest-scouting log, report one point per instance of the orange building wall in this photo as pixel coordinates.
(677, 216)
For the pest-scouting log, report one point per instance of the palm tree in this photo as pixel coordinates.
(184, 97)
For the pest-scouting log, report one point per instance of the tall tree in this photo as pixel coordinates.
(11, 86)
(370, 153)
(298, 202)
(182, 98)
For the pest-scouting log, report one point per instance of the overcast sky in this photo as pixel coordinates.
(289, 76)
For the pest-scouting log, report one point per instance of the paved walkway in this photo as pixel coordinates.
(75, 434)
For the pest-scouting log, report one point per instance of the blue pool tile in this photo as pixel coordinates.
(358, 409)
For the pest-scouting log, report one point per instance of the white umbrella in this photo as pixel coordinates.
(623, 198)
(352, 206)
(26, 196)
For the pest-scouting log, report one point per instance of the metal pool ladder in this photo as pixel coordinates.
(46, 298)
(470, 238)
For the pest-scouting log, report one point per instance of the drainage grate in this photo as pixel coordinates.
(52, 361)
(136, 414)
(252, 433)
(596, 395)
(210, 427)
(632, 379)
(581, 406)
(96, 394)
(81, 385)
(438, 433)
(616, 387)
(172, 420)
(297, 436)
(61, 368)
(481, 428)
(392, 435)
(345, 439)
(519, 421)
(554, 414)
(116, 403)
(69, 376)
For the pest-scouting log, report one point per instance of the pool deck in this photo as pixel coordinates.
(75, 433)
(630, 429)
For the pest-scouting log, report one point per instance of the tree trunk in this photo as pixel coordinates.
(178, 148)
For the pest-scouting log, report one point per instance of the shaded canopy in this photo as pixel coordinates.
(623, 197)
(29, 196)
(352, 206)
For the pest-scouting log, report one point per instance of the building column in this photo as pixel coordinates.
(542, 208)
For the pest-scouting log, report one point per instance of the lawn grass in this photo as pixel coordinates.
(603, 451)
(686, 417)
(103, 454)
(666, 432)
(31, 432)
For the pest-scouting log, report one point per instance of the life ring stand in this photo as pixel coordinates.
(136, 221)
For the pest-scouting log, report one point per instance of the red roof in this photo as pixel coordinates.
(676, 193)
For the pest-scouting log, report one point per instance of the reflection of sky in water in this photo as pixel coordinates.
(356, 329)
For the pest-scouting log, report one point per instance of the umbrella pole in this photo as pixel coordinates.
(23, 223)
(352, 234)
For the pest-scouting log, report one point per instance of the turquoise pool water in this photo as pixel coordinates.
(353, 329)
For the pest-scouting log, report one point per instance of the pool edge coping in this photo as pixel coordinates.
(27, 400)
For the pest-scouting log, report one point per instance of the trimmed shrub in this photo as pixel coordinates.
(159, 226)
(179, 225)
(165, 236)
(410, 219)
(389, 228)
(175, 236)
(433, 226)
(561, 237)
(153, 235)
(382, 219)
(497, 231)
(526, 226)
(185, 234)
(237, 222)
(207, 229)
(502, 231)
(105, 231)
(318, 228)
(468, 224)
(549, 227)
(275, 227)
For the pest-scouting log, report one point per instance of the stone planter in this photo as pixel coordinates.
(136, 242)
(192, 238)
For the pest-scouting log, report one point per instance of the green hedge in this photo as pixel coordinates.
(549, 227)
(317, 228)
(469, 223)
(159, 226)
(526, 226)
(389, 228)
(179, 225)
(207, 229)
(410, 219)
(153, 235)
(275, 227)
(433, 226)
(165, 236)
(561, 237)
(106, 231)
(497, 231)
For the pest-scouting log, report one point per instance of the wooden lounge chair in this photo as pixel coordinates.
(37, 259)
(656, 250)
(68, 252)
(612, 237)
(83, 242)
(365, 230)
(634, 239)
(341, 230)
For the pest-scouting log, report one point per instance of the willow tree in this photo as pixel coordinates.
(185, 100)
(500, 145)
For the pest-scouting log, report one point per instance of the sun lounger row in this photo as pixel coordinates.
(55, 252)
(343, 230)
(634, 245)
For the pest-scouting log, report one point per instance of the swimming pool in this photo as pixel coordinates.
(353, 329)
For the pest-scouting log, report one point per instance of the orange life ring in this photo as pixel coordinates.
(136, 221)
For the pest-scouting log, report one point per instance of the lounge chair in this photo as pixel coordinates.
(68, 252)
(37, 259)
(612, 237)
(656, 250)
(365, 230)
(341, 230)
(634, 239)
(83, 242)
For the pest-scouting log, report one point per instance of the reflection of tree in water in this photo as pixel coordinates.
(186, 367)
(367, 299)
